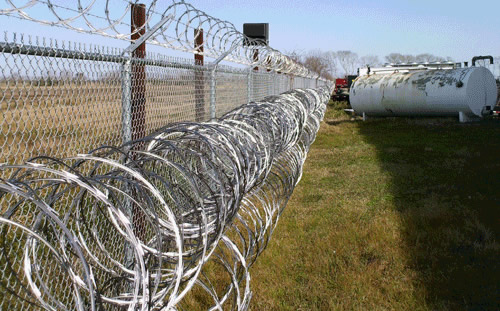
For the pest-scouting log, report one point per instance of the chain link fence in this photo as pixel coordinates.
(173, 219)
(60, 100)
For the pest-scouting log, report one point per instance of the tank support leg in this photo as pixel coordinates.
(462, 117)
(365, 117)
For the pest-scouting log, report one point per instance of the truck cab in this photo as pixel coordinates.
(342, 86)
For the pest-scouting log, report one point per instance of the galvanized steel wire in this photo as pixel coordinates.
(60, 98)
(168, 222)
(171, 221)
(111, 19)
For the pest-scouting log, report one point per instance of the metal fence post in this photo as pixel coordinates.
(278, 82)
(269, 84)
(249, 85)
(127, 136)
(213, 98)
(255, 78)
(256, 59)
(126, 101)
(199, 78)
(213, 81)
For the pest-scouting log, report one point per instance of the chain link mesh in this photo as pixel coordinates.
(173, 219)
(60, 100)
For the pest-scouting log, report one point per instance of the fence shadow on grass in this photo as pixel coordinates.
(445, 185)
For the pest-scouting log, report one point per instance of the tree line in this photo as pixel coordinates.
(336, 64)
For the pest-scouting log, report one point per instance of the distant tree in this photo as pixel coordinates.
(328, 76)
(348, 60)
(342, 63)
(314, 60)
(425, 57)
(407, 58)
(333, 66)
(369, 60)
(400, 58)
(394, 58)
(420, 58)
(318, 62)
(112, 75)
(64, 76)
(337, 64)
(296, 56)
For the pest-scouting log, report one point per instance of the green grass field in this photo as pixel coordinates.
(391, 214)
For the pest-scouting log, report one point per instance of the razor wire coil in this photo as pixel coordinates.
(171, 221)
(110, 18)
(159, 222)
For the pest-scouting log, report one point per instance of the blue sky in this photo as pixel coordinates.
(460, 29)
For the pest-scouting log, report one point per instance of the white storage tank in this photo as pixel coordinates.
(468, 93)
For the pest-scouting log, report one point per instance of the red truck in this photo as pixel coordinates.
(342, 86)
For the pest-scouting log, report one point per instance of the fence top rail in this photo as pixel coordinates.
(77, 51)
(102, 18)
